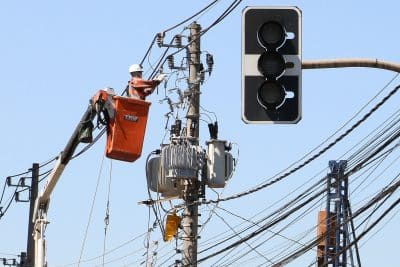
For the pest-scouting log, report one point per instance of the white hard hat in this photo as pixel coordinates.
(135, 68)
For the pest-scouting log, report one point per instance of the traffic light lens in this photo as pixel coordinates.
(271, 95)
(271, 35)
(271, 64)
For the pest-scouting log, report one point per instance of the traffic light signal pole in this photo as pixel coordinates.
(350, 62)
(190, 213)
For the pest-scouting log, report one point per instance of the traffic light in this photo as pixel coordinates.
(271, 65)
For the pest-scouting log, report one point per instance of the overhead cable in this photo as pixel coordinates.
(315, 156)
(175, 26)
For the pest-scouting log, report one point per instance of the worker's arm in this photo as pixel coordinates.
(146, 86)
(139, 83)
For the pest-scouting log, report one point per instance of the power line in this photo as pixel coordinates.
(233, 5)
(90, 212)
(175, 26)
(107, 215)
(296, 208)
(388, 191)
(373, 225)
(3, 212)
(107, 252)
(236, 233)
(315, 156)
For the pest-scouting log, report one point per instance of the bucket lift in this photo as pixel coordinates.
(125, 120)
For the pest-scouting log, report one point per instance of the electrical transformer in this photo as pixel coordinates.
(219, 163)
(158, 182)
(180, 161)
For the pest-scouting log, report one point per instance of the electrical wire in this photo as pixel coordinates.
(373, 225)
(120, 257)
(3, 212)
(107, 252)
(233, 230)
(375, 152)
(147, 239)
(293, 221)
(388, 191)
(315, 156)
(343, 126)
(263, 228)
(257, 224)
(86, 148)
(107, 215)
(278, 211)
(48, 161)
(381, 228)
(2, 193)
(156, 214)
(175, 26)
(374, 200)
(90, 212)
(224, 14)
(377, 205)
(194, 15)
(306, 192)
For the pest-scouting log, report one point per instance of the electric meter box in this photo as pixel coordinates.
(219, 164)
(126, 129)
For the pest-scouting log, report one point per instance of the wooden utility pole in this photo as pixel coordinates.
(190, 213)
(30, 250)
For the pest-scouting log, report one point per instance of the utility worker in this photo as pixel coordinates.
(139, 88)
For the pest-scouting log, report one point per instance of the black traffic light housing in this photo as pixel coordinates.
(271, 65)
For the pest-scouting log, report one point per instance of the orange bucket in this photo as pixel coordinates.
(126, 130)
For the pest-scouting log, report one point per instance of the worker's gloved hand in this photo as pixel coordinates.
(160, 77)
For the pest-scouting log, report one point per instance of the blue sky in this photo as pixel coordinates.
(56, 55)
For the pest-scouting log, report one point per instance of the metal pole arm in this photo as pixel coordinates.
(63, 160)
(350, 62)
(42, 201)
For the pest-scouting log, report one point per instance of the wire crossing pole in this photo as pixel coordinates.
(190, 213)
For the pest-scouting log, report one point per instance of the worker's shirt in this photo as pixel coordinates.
(141, 88)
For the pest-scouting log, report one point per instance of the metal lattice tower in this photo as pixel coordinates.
(338, 218)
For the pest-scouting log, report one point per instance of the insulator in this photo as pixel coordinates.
(193, 126)
(170, 61)
(171, 107)
(160, 38)
(201, 67)
(178, 40)
(178, 124)
(210, 62)
(176, 128)
(202, 77)
(201, 73)
(181, 96)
